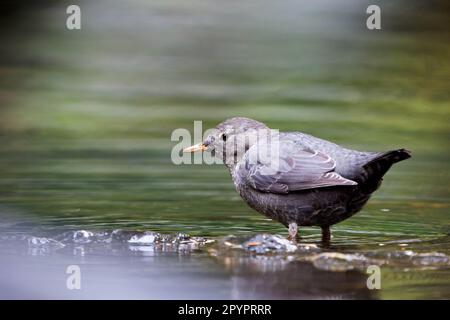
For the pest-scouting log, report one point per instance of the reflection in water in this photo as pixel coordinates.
(178, 265)
(285, 277)
(294, 280)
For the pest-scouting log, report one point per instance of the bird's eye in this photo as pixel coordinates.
(224, 137)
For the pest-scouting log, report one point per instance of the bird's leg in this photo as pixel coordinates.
(293, 229)
(326, 235)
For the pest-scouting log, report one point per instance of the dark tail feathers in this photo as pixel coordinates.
(395, 155)
(376, 168)
(386, 159)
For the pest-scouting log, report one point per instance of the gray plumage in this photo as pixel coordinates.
(314, 183)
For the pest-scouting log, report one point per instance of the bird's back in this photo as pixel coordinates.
(359, 166)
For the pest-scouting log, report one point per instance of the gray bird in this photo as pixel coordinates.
(295, 178)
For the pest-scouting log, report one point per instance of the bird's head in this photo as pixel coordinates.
(231, 139)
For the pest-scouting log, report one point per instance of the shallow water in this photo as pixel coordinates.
(85, 125)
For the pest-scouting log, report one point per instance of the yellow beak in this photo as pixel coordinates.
(195, 147)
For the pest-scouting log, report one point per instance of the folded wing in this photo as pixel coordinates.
(287, 167)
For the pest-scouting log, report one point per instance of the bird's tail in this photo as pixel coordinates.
(391, 157)
(377, 167)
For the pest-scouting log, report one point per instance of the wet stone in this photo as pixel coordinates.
(264, 243)
(146, 238)
(431, 259)
(82, 236)
(339, 262)
(44, 242)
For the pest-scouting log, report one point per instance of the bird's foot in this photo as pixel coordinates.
(293, 232)
(326, 236)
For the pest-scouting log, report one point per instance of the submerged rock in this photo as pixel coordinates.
(44, 242)
(82, 236)
(431, 259)
(410, 258)
(264, 243)
(115, 242)
(339, 262)
(146, 238)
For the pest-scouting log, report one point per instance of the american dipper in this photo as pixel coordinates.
(295, 178)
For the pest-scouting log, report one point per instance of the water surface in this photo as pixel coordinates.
(85, 124)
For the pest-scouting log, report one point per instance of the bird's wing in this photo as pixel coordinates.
(288, 167)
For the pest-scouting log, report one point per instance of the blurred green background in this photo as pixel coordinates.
(86, 116)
